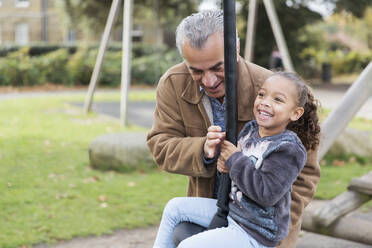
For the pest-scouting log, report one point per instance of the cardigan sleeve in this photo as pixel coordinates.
(273, 179)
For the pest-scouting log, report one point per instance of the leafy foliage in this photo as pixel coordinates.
(342, 40)
(355, 7)
(20, 69)
(91, 15)
(341, 62)
(61, 67)
(292, 20)
(87, 14)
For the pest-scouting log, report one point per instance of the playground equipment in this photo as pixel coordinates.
(353, 100)
(126, 48)
(330, 217)
(277, 30)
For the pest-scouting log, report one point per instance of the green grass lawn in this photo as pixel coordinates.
(337, 172)
(334, 179)
(49, 193)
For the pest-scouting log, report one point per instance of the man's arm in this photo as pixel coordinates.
(167, 141)
(303, 191)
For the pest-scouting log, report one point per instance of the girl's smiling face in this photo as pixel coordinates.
(276, 105)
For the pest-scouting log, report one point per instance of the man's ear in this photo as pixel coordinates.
(297, 113)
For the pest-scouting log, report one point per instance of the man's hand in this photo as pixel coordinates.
(215, 137)
(227, 149)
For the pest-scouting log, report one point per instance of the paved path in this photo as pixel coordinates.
(141, 113)
(331, 96)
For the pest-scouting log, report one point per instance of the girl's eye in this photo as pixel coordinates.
(260, 94)
(278, 99)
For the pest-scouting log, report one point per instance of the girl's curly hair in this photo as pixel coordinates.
(307, 126)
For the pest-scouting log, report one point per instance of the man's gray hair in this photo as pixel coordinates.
(197, 28)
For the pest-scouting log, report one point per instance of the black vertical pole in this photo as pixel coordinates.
(231, 70)
(231, 76)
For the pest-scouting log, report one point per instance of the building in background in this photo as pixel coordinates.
(24, 22)
(30, 21)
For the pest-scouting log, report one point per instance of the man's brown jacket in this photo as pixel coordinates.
(180, 126)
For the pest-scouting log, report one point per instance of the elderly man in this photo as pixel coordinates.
(191, 103)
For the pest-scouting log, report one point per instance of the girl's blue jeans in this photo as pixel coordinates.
(200, 211)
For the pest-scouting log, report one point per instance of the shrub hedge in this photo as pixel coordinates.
(38, 65)
(68, 66)
(341, 62)
(36, 49)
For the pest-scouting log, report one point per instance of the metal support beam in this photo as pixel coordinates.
(126, 60)
(352, 101)
(251, 30)
(101, 53)
(278, 34)
(231, 79)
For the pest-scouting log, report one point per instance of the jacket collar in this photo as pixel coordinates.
(193, 94)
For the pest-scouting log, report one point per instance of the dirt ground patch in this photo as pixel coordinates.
(135, 238)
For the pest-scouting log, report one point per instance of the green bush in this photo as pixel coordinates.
(348, 63)
(54, 68)
(341, 62)
(5, 50)
(141, 49)
(138, 49)
(80, 66)
(36, 49)
(111, 69)
(148, 69)
(18, 68)
(145, 70)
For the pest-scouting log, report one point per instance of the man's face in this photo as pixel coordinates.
(206, 65)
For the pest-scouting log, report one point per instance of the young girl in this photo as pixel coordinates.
(270, 155)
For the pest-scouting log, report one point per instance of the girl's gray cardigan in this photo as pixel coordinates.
(262, 175)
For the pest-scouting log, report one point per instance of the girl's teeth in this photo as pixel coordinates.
(264, 113)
